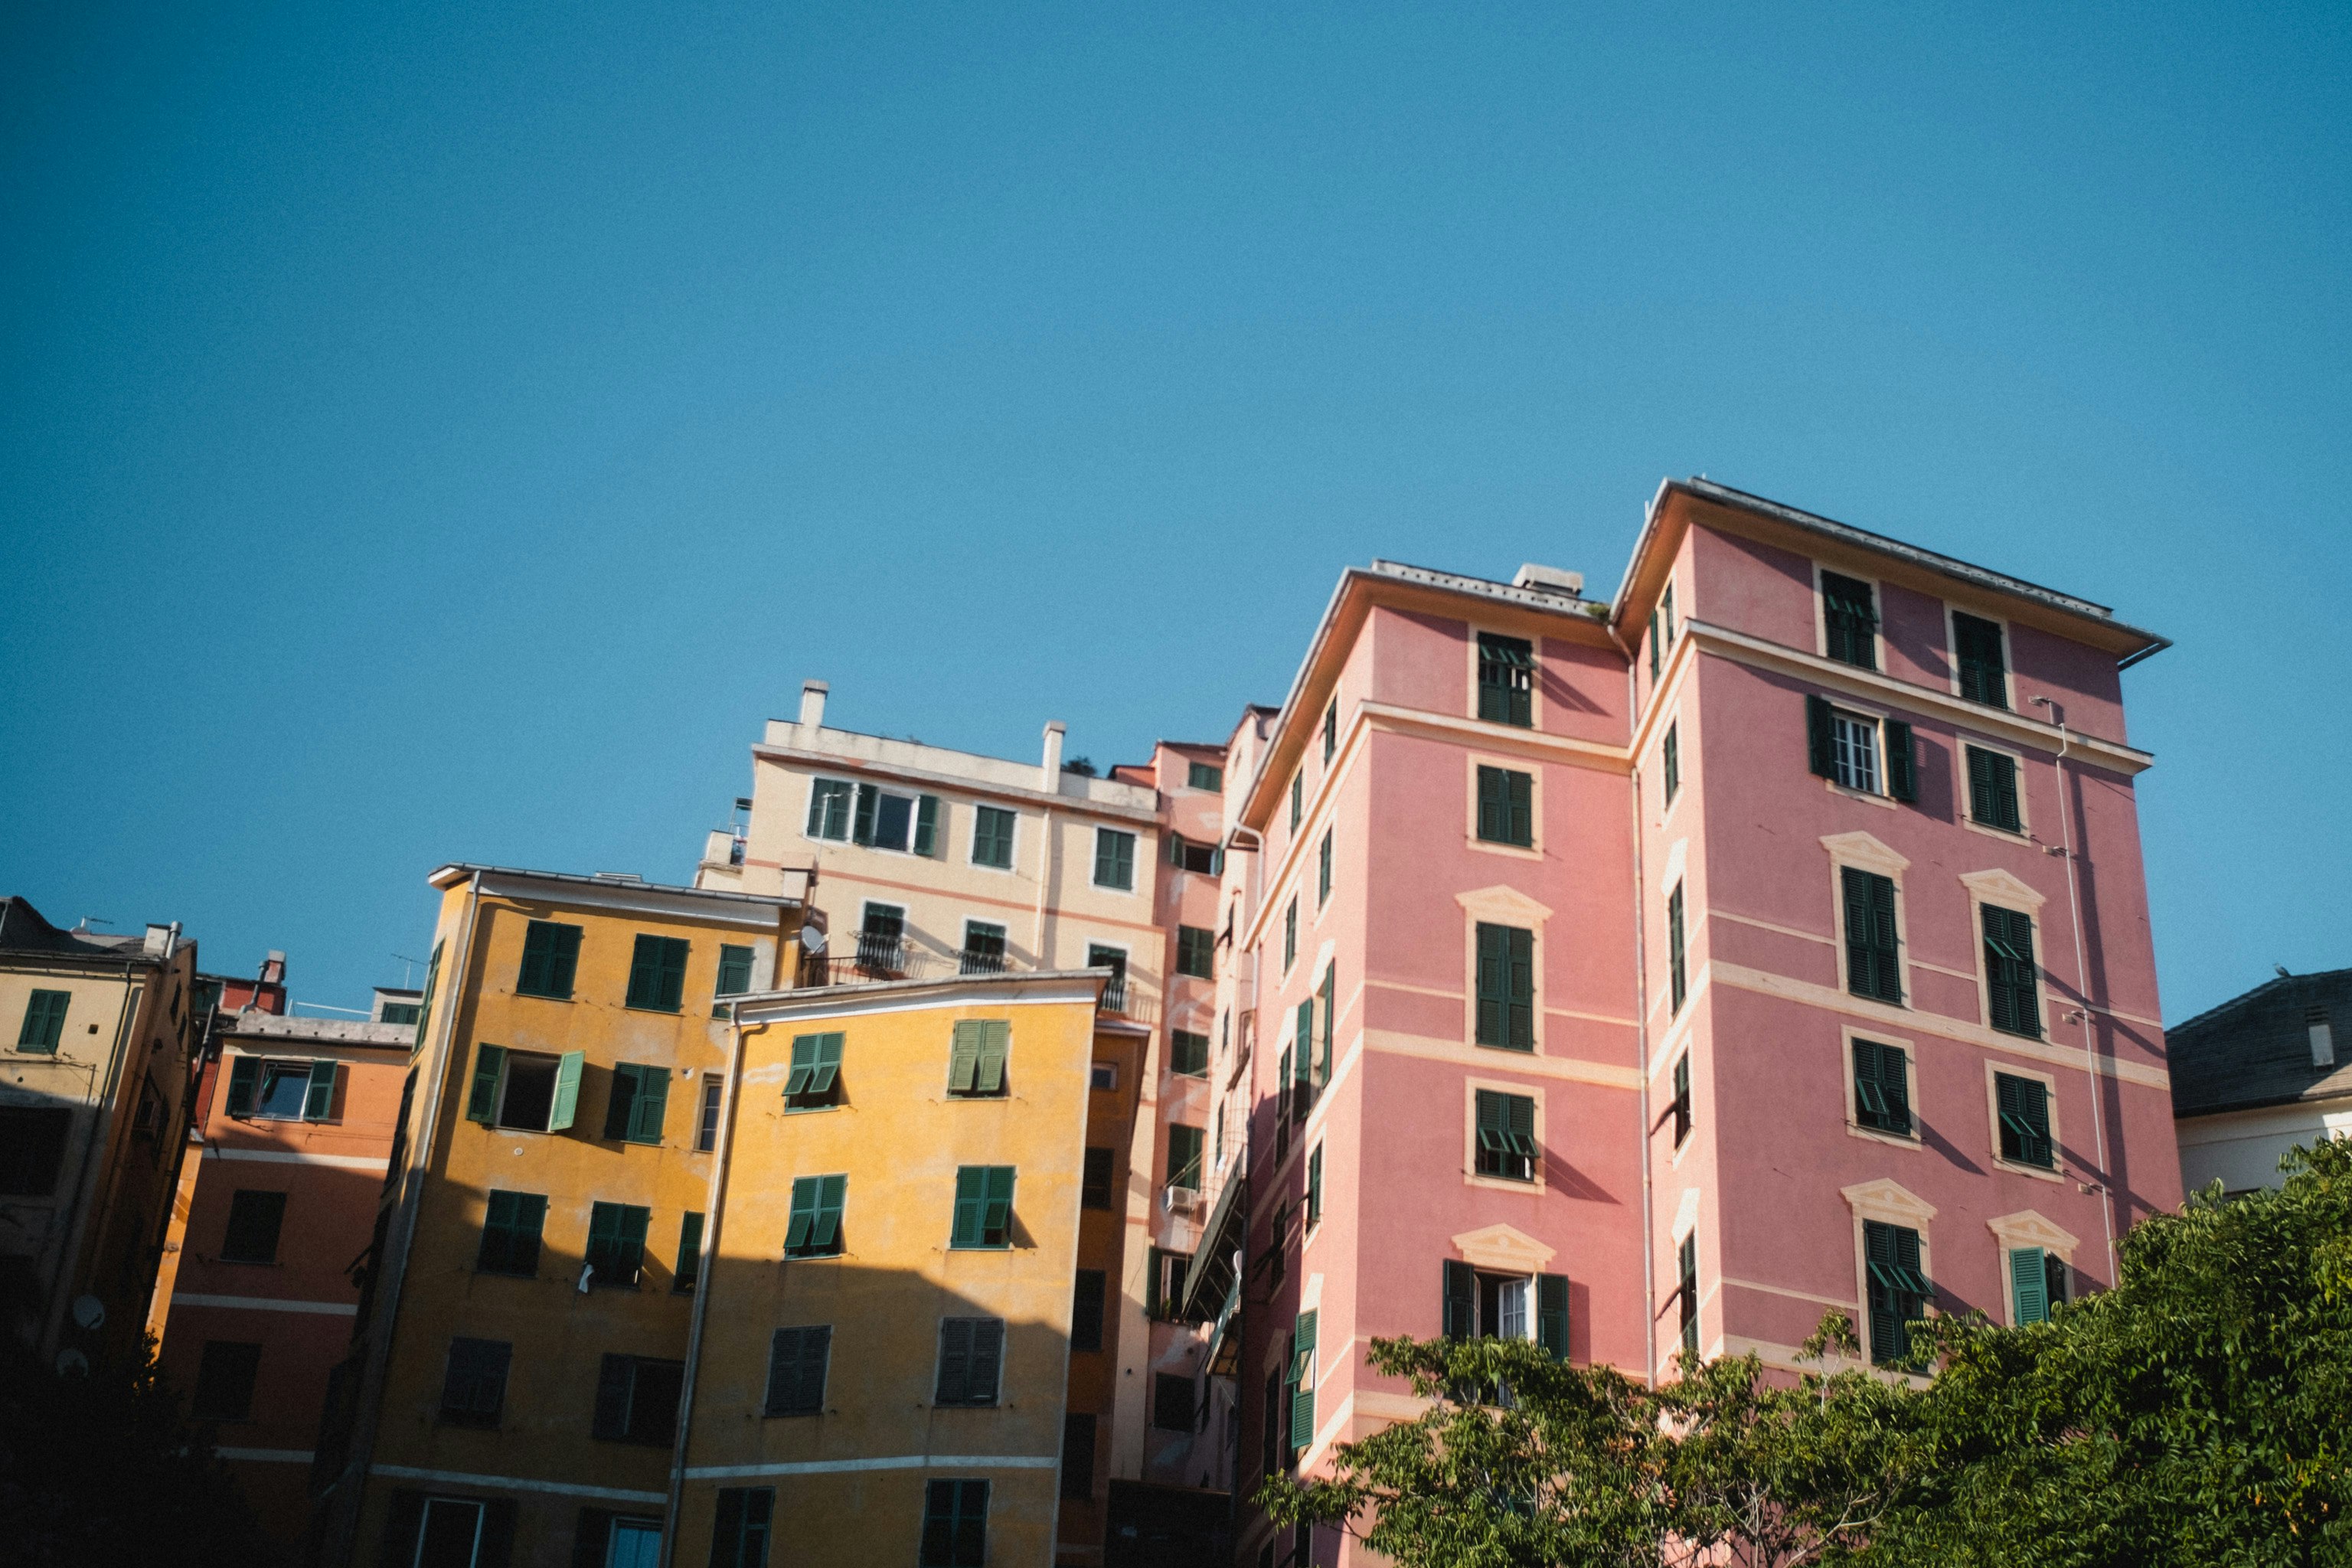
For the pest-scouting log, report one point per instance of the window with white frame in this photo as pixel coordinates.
(1860, 751)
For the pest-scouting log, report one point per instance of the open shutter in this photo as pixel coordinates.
(621, 1101)
(1820, 741)
(926, 825)
(862, 826)
(652, 1100)
(803, 1068)
(804, 1195)
(826, 1229)
(1902, 768)
(998, 1218)
(825, 1051)
(318, 1102)
(963, 1059)
(1460, 1301)
(1551, 1314)
(970, 1206)
(482, 1104)
(1521, 1127)
(994, 1036)
(245, 1082)
(1330, 999)
(567, 1090)
(635, 1221)
(2030, 1281)
(1302, 1374)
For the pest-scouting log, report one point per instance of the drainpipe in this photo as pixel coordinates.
(1642, 1031)
(710, 1228)
(2083, 980)
(101, 1127)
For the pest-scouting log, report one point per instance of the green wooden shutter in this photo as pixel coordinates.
(1282, 1094)
(646, 1110)
(621, 1101)
(1493, 1121)
(926, 825)
(805, 1193)
(1551, 1314)
(1459, 1313)
(1657, 647)
(963, 1059)
(1330, 1000)
(1520, 948)
(604, 1225)
(2010, 971)
(482, 1104)
(1677, 973)
(567, 1090)
(970, 1206)
(2030, 1281)
(318, 1101)
(673, 974)
(538, 940)
(1494, 811)
(685, 1277)
(1519, 816)
(998, 1220)
(832, 1195)
(1902, 762)
(245, 1082)
(1315, 1187)
(994, 1040)
(734, 970)
(1494, 983)
(1303, 1060)
(1302, 1380)
(1821, 736)
(861, 829)
(1981, 802)
(826, 1066)
(1520, 1127)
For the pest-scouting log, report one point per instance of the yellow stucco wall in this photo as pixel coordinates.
(850, 1482)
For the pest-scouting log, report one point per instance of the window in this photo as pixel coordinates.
(657, 973)
(1330, 728)
(1114, 858)
(1849, 620)
(1077, 1458)
(424, 1003)
(1984, 666)
(1670, 760)
(32, 1149)
(399, 1013)
(1323, 871)
(2022, 1105)
(1086, 1311)
(605, 1540)
(1678, 971)
(1859, 752)
(255, 1219)
(640, 1097)
(1187, 855)
(734, 971)
(829, 808)
(1328, 994)
(1686, 1290)
(45, 1021)
(971, 1356)
(1289, 936)
(1856, 741)
(1196, 951)
(1506, 807)
(551, 957)
(882, 938)
(1302, 1098)
(1184, 1145)
(1188, 1054)
(2010, 974)
(2037, 1282)
(814, 1081)
(474, 1387)
(689, 1270)
(225, 1381)
(277, 1090)
(796, 1368)
(637, 1400)
(1171, 1402)
(1315, 1187)
(1299, 1382)
(983, 1206)
(992, 837)
(1114, 996)
(976, 1054)
(955, 1524)
(1681, 1106)
(1273, 1451)
(616, 1244)
(1297, 799)
(522, 1091)
(1102, 1077)
(1094, 1191)
(1898, 1291)
(739, 1537)
(1881, 1088)
(983, 948)
(1874, 966)
(883, 819)
(1507, 679)
(814, 1230)
(1506, 1136)
(706, 1133)
(1202, 775)
(1992, 790)
(1507, 987)
(511, 1228)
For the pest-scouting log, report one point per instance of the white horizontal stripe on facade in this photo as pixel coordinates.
(513, 1484)
(288, 1157)
(895, 1462)
(268, 1455)
(267, 1304)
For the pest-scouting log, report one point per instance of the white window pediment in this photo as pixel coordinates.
(1505, 1248)
(1503, 906)
(2027, 1228)
(1867, 852)
(2002, 889)
(1889, 1201)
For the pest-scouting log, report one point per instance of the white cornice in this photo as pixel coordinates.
(1058, 986)
(953, 783)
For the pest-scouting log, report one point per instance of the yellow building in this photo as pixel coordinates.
(512, 1392)
(906, 1352)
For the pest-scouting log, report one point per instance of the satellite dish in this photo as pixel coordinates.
(812, 938)
(90, 1313)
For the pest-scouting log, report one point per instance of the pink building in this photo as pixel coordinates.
(1773, 941)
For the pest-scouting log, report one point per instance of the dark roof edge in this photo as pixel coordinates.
(454, 871)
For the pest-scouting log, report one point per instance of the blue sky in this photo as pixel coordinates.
(433, 432)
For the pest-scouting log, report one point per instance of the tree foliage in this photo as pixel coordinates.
(2198, 1413)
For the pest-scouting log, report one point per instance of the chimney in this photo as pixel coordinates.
(273, 968)
(1053, 771)
(159, 941)
(812, 703)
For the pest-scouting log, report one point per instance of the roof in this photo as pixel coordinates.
(253, 1023)
(23, 930)
(456, 871)
(2255, 1049)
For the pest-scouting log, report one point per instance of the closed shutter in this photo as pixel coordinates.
(245, 1082)
(613, 1376)
(689, 1271)
(2009, 971)
(2023, 1105)
(538, 944)
(482, 1103)
(1302, 1099)
(1494, 806)
(1821, 736)
(796, 1370)
(568, 1068)
(1677, 974)
(805, 1191)
(734, 970)
(1315, 1187)
(955, 1385)
(964, 1060)
(1983, 663)
(970, 1206)
(1329, 997)
(652, 1100)
(1551, 1314)
(994, 1036)
(1902, 762)
(727, 1529)
(2028, 1284)
(1460, 1310)
(926, 825)
(318, 1101)
(1302, 1382)
(1872, 961)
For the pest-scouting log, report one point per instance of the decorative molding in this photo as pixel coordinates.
(1889, 1200)
(1502, 904)
(1504, 1247)
(1869, 853)
(2001, 887)
(2027, 1228)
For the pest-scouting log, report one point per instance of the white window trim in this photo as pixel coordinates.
(1962, 743)
(1889, 1203)
(1470, 1174)
(1847, 1035)
(1682, 766)
(1864, 853)
(2008, 650)
(808, 803)
(1507, 907)
(1992, 1069)
(1688, 1053)
(1535, 685)
(1134, 866)
(2003, 890)
(1878, 614)
(1877, 718)
(2026, 1228)
(1471, 762)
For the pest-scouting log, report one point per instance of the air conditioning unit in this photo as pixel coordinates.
(1184, 1200)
